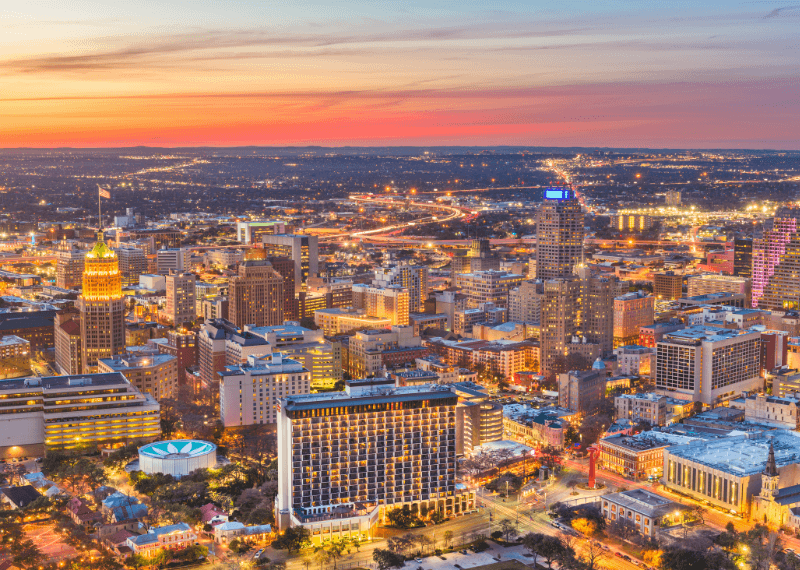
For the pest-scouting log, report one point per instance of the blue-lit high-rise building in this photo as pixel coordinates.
(559, 234)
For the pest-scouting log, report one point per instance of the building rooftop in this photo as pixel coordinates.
(644, 502)
(697, 334)
(743, 455)
(379, 395)
(263, 365)
(59, 382)
(647, 440)
(127, 362)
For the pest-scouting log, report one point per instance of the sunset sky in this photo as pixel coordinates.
(721, 74)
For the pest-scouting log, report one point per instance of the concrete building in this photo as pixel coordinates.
(487, 287)
(448, 302)
(253, 231)
(535, 427)
(560, 320)
(643, 407)
(153, 282)
(413, 278)
(582, 391)
(154, 374)
(667, 286)
(713, 283)
(211, 350)
(367, 349)
(391, 302)
(642, 510)
(132, 263)
(743, 257)
(727, 472)
(15, 357)
(777, 411)
(102, 307)
(651, 335)
(559, 234)
(635, 360)
(74, 413)
(182, 344)
(479, 420)
(337, 321)
(768, 251)
(597, 309)
(424, 321)
(672, 198)
(181, 298)
(243, 344)
(69, 266)
(224, 258)
(639, 456)
(302, 249)
(256, 295)
(69, 352)
(175, 259)
(708, 365)
(632, 311)
(346, 458)
(525, 302)
(486, 313)
(249, 393)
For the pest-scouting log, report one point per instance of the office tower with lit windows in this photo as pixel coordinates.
(211, 350)
(560, 318)
(383, 302)
(346, 458)
(411, 277)
(302, 249)
(597, 309)
(102, 306)
(175, 259)
(490, 286)
(743, 257)
(69, 351)
(559, 234)
(181, 298)
(525, 302)
(672, 198)
(132, 263)
(255, 295)
(69, 266)
(768, 251)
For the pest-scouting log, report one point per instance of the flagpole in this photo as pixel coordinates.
(99, 210)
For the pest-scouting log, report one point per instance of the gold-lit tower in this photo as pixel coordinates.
(102, 306)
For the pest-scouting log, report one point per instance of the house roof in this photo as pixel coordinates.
(21, 496)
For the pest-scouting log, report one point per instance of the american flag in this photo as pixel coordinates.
(104, 193)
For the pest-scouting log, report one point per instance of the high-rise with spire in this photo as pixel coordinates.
(102, 306)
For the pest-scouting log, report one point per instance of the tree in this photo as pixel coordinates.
(136, 561)
(571, 436)
(333, 550)
(552, 548)
(448, 538)
(26, 554)
(402, 517)
(437, 517)
(531, 542)
(585, 526)
(293, 539)
(386, 559)
(591, 555)
(508, 528)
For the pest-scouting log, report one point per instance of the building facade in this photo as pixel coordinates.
(559, 234)
(155, 374)
(632, 311)
(181, 298)
(256, 295)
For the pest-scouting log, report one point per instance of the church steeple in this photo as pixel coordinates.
(771, 469)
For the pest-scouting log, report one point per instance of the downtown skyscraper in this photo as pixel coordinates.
(559, 234)
(102, 306)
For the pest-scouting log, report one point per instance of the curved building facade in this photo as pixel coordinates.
(177, 457)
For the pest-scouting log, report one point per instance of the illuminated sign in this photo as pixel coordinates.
(557, 194)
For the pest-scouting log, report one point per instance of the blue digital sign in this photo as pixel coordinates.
(557, 194)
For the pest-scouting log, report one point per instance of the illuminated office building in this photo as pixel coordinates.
(743, 257)
(255, 295)
(768, 250)
(383, 302)
(559, 234)
(102, 306)
(302, 249)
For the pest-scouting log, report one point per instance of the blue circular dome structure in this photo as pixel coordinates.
(177, 457)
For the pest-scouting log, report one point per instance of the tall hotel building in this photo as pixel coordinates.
(102, 306)
(708, 365)
(411, 277)
(559, 234)
(767, 253)
(74, 413)
(383, 302)
(303, 250)
(345, 458)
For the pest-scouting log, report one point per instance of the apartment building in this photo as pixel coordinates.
(582, 391)
(249, 392)
(368, 349)
(667, 286)
(175, 259)
(74, 413)
(487, 287)
(390, 302)
(346, 458)
(643, 407)
(15, 357)
(69, 266)
(632, 311)
(155, 374)
(335, 321)
(713, 283)
(132, 263)
(211, 349)
(525, 302)
(413, 278)
(181, 298)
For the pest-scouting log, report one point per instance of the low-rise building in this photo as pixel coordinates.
(371, 350)
(172, 537)
(642, 510)
(655, 409)
(535, 427)
(227, 531)
(15, 356)
(635, 360)
(777, 411)
(337, 320)
(582, 391)
(640, 456)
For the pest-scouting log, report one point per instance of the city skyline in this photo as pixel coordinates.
(719, 75)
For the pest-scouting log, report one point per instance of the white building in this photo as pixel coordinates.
(173, 537)
(176, 259)
(781, 412)
(249, 393)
